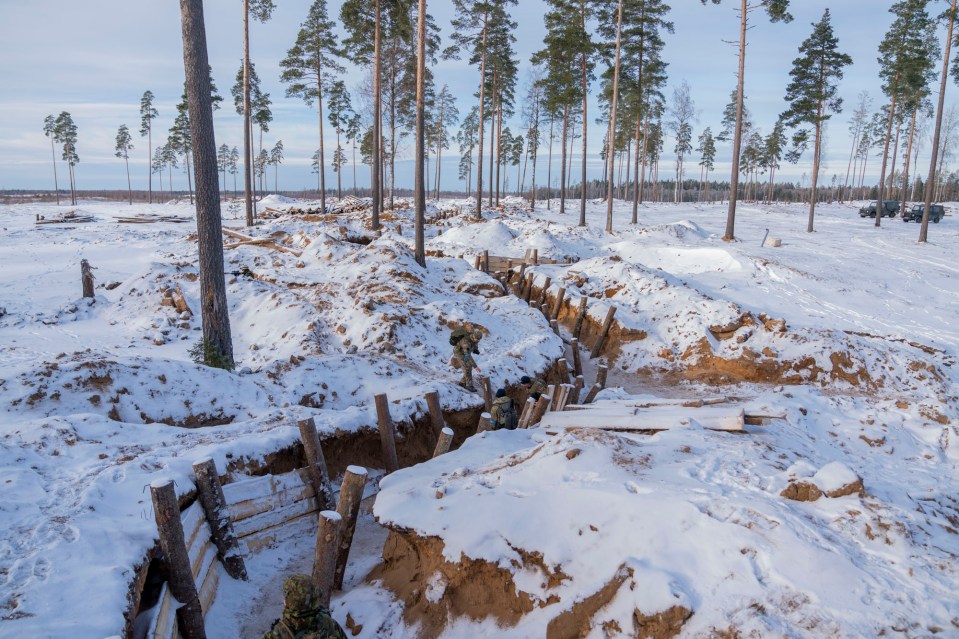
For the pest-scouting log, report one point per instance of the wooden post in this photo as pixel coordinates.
(399, 229)
(476, 262)
(484, 422)
(539, 410)
(527, 413)
(578, 386)
(86, 278)
(580, 316)
(558, 398)
(555, 326)
(593, 392)
(325, 555)
(535, 256)
(526, 256)
(601, 372)
(528, 293)
(218, 516)
(577, 361)
(444, 442)
(485, 261)
(598, 347)
(558, 304)
(520, 281)
(436, 413)
(484, 385)
(387, 439)
(551, 391)
(166, 510)
(348, 508)
(316, 464)
(545, 291)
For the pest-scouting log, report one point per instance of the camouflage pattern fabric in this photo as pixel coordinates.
(503, 414)
(303, 617)
(537, 387)
(463, 353)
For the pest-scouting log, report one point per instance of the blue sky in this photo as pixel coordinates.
(96, 58)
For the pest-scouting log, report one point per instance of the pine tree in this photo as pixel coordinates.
(124, 144)
(856, 128)
(147, 115)
(217, 345)
(707, 158)
(354, 128)
(612, 124)
(777, 11)
(223, 157)
(447, 115)
(467, 139)
(50, 130)
(682, 113)
(308, 66)
(180, 142)
(261, 10)
(811, 94)
(773, 150)
(276, 159)
(234, 166)
(65, 132)
(905, 61)
(340, 112)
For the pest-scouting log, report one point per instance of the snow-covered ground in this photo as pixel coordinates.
(848, 331)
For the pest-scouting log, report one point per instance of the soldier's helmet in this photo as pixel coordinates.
(477, 335)
(299, 594)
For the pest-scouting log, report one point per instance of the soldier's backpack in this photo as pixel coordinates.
(457, 335)
(512, 419)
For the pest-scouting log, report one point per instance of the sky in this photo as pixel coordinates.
(96, 58)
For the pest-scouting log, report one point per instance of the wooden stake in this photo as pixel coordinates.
(484, 385)
(544, 293)
(580, 316)
(558, 305)
(563, 370)
(562, 394)
(598, 347)
(577, 361)
(528, 293)
(86, 278)
(476, 262)
(316, 464)
(542, 404)
(535, 256)
(348, 508)
(166, 510)
(436, 413)
(484, 422)
(485, 261)
(218, 516)
(387, 438)
(324, 556)
(444, 442)
(578, 384)
(602, 371)
(593, 392)
(551, 391)
(527, 413)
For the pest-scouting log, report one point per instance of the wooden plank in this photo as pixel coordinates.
(209, 582)
(205, 553)
(164, 623)
(192, 519)
(667, 418)
(302, 526)
(266, 486)
(285, 497)
(274, 517)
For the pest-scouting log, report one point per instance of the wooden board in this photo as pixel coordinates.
(626, 418)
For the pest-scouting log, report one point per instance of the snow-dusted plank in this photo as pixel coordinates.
(193, 520)
(252, 507)
(208, 580)
(164, 623)
(303, 525)
(201, 557)
(256, 487)
(274, 517)
(723, 418)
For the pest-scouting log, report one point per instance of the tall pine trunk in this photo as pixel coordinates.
(585, 89)
(247, 133)
(217, 341)
(377, 167)
(562, 166)
(905, 176)
(738, 137)
(612, 121)
(129, 184)
(319, 109)
(149, 163)
(549, 165)
(482, 96)
(885, 154)
(419, 188)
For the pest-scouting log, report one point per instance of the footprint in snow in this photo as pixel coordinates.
(41, 568)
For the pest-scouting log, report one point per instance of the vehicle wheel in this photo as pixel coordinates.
(936, 221)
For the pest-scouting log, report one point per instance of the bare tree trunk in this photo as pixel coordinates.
(815, 165)
(129, 185)
(905, 176)
(738, 137)
(217, 341)
(612, 122)
(247, 167)
(377, 168)
(562, 164)
(549, 165)
(923, 231)
(319, 105)
(479, 159)
(419, 192)
(492, 139)
(499, 145)
(532, 199)
(885, 155)
(585, 89)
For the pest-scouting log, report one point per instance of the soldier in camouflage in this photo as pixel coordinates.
(303, 616)
(503, 413)
(465, 346)
(534, 387)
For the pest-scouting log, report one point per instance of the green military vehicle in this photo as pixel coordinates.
(890, 208)
(936, 213)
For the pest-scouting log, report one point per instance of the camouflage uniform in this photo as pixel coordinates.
(303, 617)
(503, 414)
(463, 352)
(536, 388)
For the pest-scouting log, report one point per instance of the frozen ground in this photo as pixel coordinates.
(85, 387)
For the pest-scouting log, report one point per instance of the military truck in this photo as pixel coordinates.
(936, 213)
(889, 209)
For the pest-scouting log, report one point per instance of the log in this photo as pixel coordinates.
(527, 413)
(387, 438)
(485, 261)
(218, 516)
(598, 347)
(558, 304)
(484, 423)
(324, 556)
(577, 360)
(551, 391)
(545, 292)
(86, 278)
(535, 256)
(528, 290)
(578, 384)
(348, 508)
(166, 510)
(436, 413)
(316, 464)
(602, 371)
(484, 385)
(580, 316)
(593, 392)
(563, 370)
(476, 262)
(562, 396)
(444, 442)
(539, 410)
